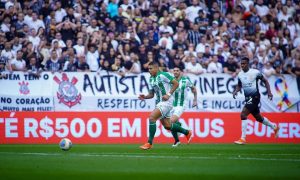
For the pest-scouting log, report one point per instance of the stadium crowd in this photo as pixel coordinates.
(200, 36)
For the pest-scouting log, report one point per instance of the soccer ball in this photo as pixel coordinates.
(65, 144)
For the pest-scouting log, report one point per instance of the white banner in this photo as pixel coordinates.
(25, 92)
(110, 92)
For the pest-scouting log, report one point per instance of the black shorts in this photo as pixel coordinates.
(253, 104)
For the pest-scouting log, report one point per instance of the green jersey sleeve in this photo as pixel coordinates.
(166, 77)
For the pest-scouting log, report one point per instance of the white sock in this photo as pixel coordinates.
(267, 122)
(244, 129)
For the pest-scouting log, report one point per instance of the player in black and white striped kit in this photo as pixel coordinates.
(248, 80)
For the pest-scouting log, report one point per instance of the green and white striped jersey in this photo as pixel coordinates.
(161, 85)
(181, 92)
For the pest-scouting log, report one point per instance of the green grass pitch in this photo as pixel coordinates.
(195, 161)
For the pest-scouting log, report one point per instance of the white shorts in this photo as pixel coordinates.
(165, 108)
(177, 111)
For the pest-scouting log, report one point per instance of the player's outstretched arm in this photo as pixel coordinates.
(266, 82)
(148, 96)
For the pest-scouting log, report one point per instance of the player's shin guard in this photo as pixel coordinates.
(152, 130)
(176, 128)
(175, 135)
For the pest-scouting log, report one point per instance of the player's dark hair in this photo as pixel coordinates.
(153, 63)
(245, 59)
(179, 67)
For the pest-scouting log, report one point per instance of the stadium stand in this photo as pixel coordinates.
(126, 35)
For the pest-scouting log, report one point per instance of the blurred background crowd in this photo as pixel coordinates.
(199, 36)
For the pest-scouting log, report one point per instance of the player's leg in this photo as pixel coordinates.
(266, 122)
(244, 114)
(176, 113)
(177, 128)
(152, 123)
(256, 113)
(166, 109)
(155, 114)
(174, 119)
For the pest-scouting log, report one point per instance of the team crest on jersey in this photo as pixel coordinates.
(24, 88)
(67, 91)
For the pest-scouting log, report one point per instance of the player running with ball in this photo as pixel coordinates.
(163, 85)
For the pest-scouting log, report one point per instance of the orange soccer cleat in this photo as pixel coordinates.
(146, 146)
(189, 136)
(240, 141)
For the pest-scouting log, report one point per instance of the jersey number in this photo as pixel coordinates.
(249, 100)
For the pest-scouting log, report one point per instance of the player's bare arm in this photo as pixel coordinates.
(237, 89)
(174, 87)
(194, 91)
(148, 96)
(266, 82)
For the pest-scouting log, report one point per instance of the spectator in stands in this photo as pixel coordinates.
(34, 67)
(176, 62)
(268, 70)
(278, 69)
(194, 67)
(17, 45)
(60, 12)
(79, 47)
(162, 64)
(262, 56)
(81, 64)
(231, 67)
(66, 31)
(54, 64)
(34, 39)
(202, 21)
(136, 65)
(2, 68)
(106, 66)
(34, 22)
(214, 66)
(92, 58)
(117, 66)
(112, 9)
(5, 26)
(71, 64)
(192, 11)
(18, 63)
(194, 34)
(7, 52)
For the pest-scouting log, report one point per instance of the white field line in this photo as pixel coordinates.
(185, 153)
(128, 155)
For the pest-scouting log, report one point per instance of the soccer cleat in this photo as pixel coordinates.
(146, 146)
(189, 136)
(276, 131)
(240, 141)
(176, 143)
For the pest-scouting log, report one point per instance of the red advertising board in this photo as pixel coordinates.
(132, 127)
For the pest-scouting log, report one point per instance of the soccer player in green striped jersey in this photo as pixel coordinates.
(180, 96)
(163, 85)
